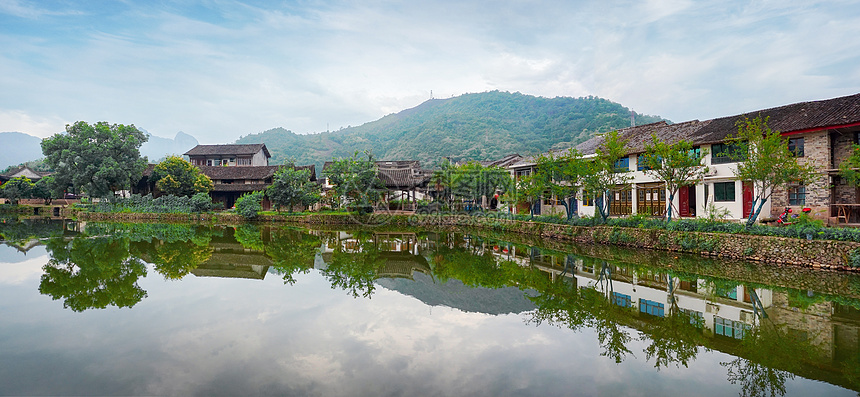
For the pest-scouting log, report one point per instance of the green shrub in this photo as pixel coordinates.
(854, 258)
(201, 202)
(250, 205)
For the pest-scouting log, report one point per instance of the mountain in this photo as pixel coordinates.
(480, 126)
(17, 147)
(157, 147)
(455, 294)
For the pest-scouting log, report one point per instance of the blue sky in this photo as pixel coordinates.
(219, 69)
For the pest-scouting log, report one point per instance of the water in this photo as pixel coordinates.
(147, 309)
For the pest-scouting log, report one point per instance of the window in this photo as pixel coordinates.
(520, 173)
(640, 162)
(695, 152)
(587, 198)
(209, 162)
(547, 198)
(795, 145)
(732, 329)
(797, 195)
(722, 153)
(621, 300)
(651, 307)
(730, 292)
(724, 191)
(622, 164)
(696, 318)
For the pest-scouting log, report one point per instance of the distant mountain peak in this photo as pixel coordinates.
(477, 126)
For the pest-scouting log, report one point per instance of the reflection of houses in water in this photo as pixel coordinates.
(726, 311)
(729, 311)
(232, 260)
(830, 325)
(398, 252)
(42, 229)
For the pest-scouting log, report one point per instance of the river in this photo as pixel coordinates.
(167, 309)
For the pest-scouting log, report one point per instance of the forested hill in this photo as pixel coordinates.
(480, 126)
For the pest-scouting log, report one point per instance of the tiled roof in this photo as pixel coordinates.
(21, 168)
(248, 172)
(502, 162)
(229, 150)
(804, 116)
(387, 164)
(401, 177)
(257, 172)
(239, 187)
(801, 116)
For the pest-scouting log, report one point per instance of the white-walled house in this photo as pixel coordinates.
(820, 132)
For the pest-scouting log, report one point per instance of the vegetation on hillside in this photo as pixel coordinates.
(481, 126)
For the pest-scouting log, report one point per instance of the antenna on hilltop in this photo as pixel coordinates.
(632, 118)
(431, 94)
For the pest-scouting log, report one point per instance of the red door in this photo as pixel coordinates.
(748, 198)
(684, 201)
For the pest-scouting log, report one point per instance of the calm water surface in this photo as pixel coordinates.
(151, 309)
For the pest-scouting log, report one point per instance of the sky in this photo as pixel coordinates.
(221, 69)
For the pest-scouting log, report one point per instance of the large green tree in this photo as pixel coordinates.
(178, 177)
(473, 181)
(562, 175)
(677, 165)
(601, 174)
(46, 189)
(99, 159)
(769, 162)
(291, 187)
(355, 179)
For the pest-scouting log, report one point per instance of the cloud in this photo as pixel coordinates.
(218, 70)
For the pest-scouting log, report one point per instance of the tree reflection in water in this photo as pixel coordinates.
(292, 252)
(92, 273)
(97, 272)
(354, 265)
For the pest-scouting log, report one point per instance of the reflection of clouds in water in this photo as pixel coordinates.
(240, 337)
(17, 268)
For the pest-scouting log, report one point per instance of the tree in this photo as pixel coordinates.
(849, 170)
(45, 189)
(17, 188)
(601, 174)
(250, 204)
(291, 187)
(769, 163)
(473, 181)
(178, 177)
(99, 159)
(677, 165)
(562, 174)
(355, 179)
(443, 181)
(528, 189)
